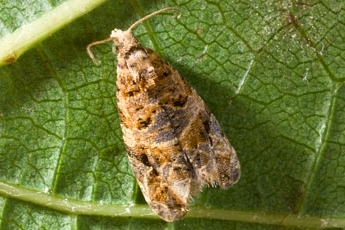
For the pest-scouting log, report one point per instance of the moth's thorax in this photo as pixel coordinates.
(123, 40)
(140, 70)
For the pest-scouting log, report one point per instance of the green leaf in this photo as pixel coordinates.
(271, 72)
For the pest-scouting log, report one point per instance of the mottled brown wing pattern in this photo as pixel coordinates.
(175, 145)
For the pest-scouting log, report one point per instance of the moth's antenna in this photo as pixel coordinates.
(153, 14)
(88, 48)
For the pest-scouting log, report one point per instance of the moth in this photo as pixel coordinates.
(174, 143)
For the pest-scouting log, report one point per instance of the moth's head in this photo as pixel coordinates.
(122, 39)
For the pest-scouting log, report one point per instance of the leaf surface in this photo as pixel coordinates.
(272, 72)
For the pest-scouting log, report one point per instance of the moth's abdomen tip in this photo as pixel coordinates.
(231, 178)
(235, 171)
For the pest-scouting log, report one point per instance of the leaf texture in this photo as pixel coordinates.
(272, 72)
